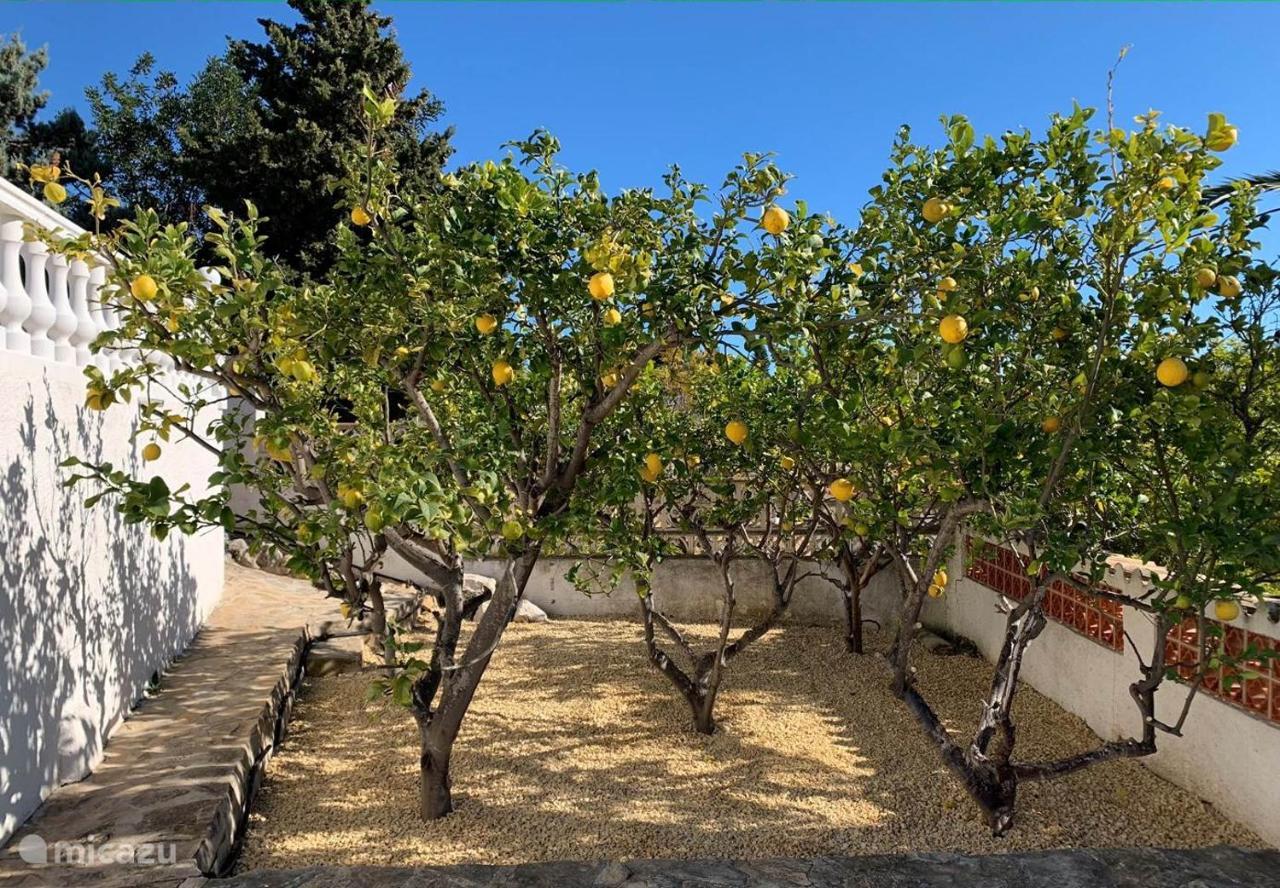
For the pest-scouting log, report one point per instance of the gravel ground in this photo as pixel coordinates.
(575, 749)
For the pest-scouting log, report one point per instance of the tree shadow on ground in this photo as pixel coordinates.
(576, 749)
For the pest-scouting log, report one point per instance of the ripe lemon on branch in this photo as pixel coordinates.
(841, 490)
(600, 286)
(503, 372)
(144, 288)
(1172, 372)
(775, 220)
(953, 329)
(934, 210)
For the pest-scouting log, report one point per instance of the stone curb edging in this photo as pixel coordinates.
(1095, 868)
(220, 846)
(218, 850)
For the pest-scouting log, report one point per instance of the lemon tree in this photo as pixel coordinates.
(513, 309)
(1048, 280)
(706, 472)
(251, 388)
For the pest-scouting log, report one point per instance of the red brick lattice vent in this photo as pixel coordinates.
(1096, 618)
(1102, 621)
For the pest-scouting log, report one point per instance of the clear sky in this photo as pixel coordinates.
(632, 87)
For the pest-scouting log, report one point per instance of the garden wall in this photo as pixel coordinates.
(90, 609)
(688, 590)
(1230, 747)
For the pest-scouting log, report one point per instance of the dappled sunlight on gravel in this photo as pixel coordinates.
(575, 749)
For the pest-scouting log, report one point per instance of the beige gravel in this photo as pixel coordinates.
(575, 749)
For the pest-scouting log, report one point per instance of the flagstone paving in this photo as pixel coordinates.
(176, 771)
(1123, 868)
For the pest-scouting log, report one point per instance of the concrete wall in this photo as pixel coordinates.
(1225, 756)
(688, 590)
(90, 608)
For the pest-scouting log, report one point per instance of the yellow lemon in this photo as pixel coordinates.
(1225, 611)
(360, 216)
(437, 386)
(787, 463)
(1051, 425)
(736, 431)
(612, 317)
(143, 288)
(935, 210)
(601, 285)
(151, 452)
(775, 220)
(953, 329)
(653, 462)
(54, 192)
(947, 284)
(1229, 286)
(1165, 183)
(935, 591)
(93, 401)
(1172, 372)
(610, 379)
(940, 578)
(1206, 277)
(486, 324)
(841, 490)
(856, 269)
(1059, 334)
(350, 496)
(503, 373)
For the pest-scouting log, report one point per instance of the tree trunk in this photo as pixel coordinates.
(439, 726)
(375, 640)
(435, 788)
(703, 705)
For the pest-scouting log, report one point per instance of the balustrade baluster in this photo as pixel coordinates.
(35, 256)
(86, 327)
(64, 323)
(17, 304)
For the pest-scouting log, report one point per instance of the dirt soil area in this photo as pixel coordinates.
(575, 749)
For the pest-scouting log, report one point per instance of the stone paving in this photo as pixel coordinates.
(175, 773)
(1124, 868)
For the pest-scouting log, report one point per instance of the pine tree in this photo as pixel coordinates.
(20, 99)
(305, 82)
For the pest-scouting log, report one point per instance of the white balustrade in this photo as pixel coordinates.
(64, 323)
(35, 256)
(53, 307)
(104, 315)
(86, 328)
(17, 304)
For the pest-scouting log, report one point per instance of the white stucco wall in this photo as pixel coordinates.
(1225, 756)
(688, 590)
(90, 608)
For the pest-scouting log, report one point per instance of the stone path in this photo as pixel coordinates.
(175, 772)
(1123, 868)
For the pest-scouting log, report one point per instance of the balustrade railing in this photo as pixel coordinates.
(51, 307)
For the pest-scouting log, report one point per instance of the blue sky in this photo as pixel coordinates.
(632, 87)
